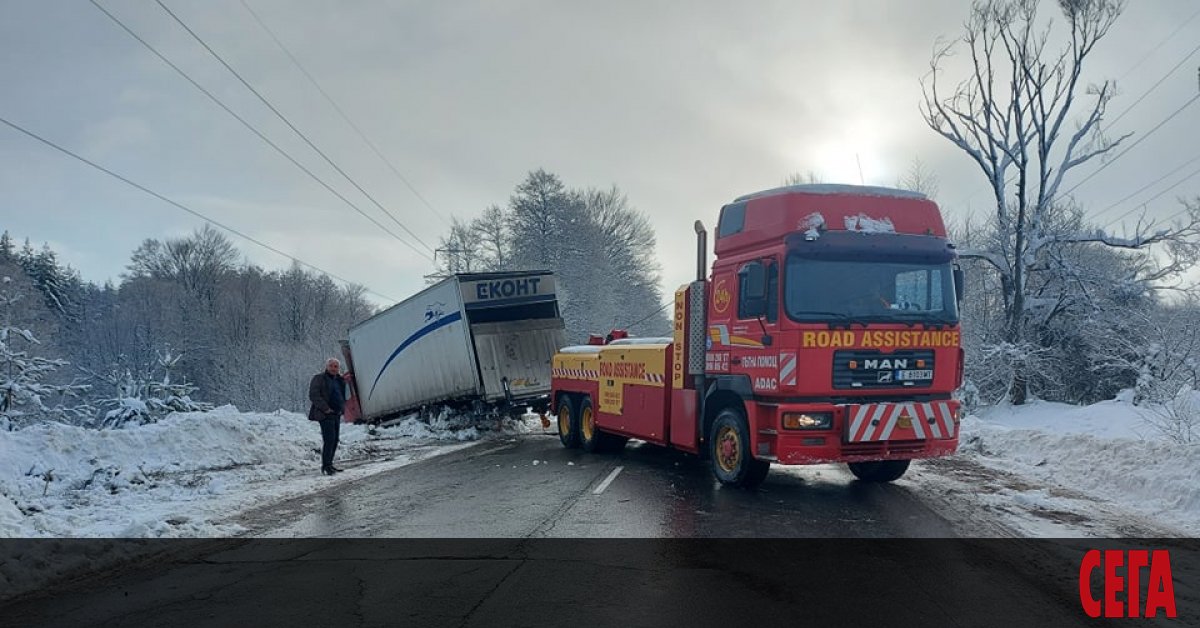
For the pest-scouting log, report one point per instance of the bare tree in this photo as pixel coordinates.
(490, 231)
(919, 178)
(1015, 116)
(458, 251)
(198, 262)
(807, 178)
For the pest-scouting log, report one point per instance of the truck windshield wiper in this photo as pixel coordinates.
(912, 319)
(840, 318)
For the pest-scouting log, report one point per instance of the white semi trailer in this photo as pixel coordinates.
(482, 340)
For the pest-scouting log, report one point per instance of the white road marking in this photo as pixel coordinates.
(493, 449)
(611, 476)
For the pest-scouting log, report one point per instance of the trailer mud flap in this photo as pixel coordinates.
(900, 421)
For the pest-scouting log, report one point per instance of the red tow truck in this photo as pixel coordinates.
(827, 331)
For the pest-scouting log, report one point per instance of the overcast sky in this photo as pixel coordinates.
(684, 106)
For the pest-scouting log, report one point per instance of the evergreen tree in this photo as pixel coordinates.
(25, 395)
(8, 250)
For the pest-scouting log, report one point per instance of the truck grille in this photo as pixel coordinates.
(874, 370)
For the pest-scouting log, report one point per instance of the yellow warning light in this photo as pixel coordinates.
(853, 364)
(920, 364)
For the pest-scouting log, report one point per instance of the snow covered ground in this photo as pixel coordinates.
(1052, 469)
(183, 475)
(186, 476)
(1044, 469)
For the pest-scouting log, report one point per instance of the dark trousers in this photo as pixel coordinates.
(329, 438)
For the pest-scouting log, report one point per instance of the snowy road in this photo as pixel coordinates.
(521, 491)
(534, 488)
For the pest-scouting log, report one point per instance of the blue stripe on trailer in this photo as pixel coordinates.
(417, 335)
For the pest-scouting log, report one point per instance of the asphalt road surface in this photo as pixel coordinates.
(534, 488)
(484, 536)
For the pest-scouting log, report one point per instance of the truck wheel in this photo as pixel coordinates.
(729, 452)
(590, 439)
(879, 470)
(568, 422)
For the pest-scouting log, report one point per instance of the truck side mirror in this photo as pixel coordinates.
(960, 283)
(753, 280)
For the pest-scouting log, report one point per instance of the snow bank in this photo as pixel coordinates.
(1106, 451)
(189, 475)
(180, 476)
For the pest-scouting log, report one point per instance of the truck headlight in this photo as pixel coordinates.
(807, 420)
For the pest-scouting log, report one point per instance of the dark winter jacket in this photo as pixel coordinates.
(325, 391)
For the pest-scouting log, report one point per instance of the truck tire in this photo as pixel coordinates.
(729, 451)
(879, 470)
(590, 438)
(567, 414)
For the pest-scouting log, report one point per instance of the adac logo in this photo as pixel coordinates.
(722, 298)
(434, 311)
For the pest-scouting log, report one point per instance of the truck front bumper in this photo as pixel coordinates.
(861, 432)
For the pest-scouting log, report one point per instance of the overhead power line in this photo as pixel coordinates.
(288, 122)
(1148, 185)
(1160, 44)
(1148, 54)
(651, 314)
(1154, 198)
(340, 112)
(1134, 145)
(256, 132)
(185, 208)
(1157, 83)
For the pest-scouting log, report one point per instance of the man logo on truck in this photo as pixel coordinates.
(507, 288)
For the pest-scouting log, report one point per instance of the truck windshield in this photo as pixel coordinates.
(878, 291)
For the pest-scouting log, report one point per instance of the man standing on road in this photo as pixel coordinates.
(325, 391)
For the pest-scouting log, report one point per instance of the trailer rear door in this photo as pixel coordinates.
(520, 351)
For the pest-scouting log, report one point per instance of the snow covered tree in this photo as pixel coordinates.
(8, 250)
(808, 178)
(600, 248)
(197, 262)
(1014, 116)
(491, 234)
(544, 216)
(919, 178)
(629, 273)
(137, 399)
(57, 284)
(25, 395)
(457, 252)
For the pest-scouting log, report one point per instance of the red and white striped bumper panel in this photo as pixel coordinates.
(900, 421)
(575, 373)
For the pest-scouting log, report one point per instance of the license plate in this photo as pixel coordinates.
(911, 375)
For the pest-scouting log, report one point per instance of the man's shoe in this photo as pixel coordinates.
(327, 470)
(335, 469)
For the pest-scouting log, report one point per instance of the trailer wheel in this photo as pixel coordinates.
(879, 470)
(729, 451)
(568, 421)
